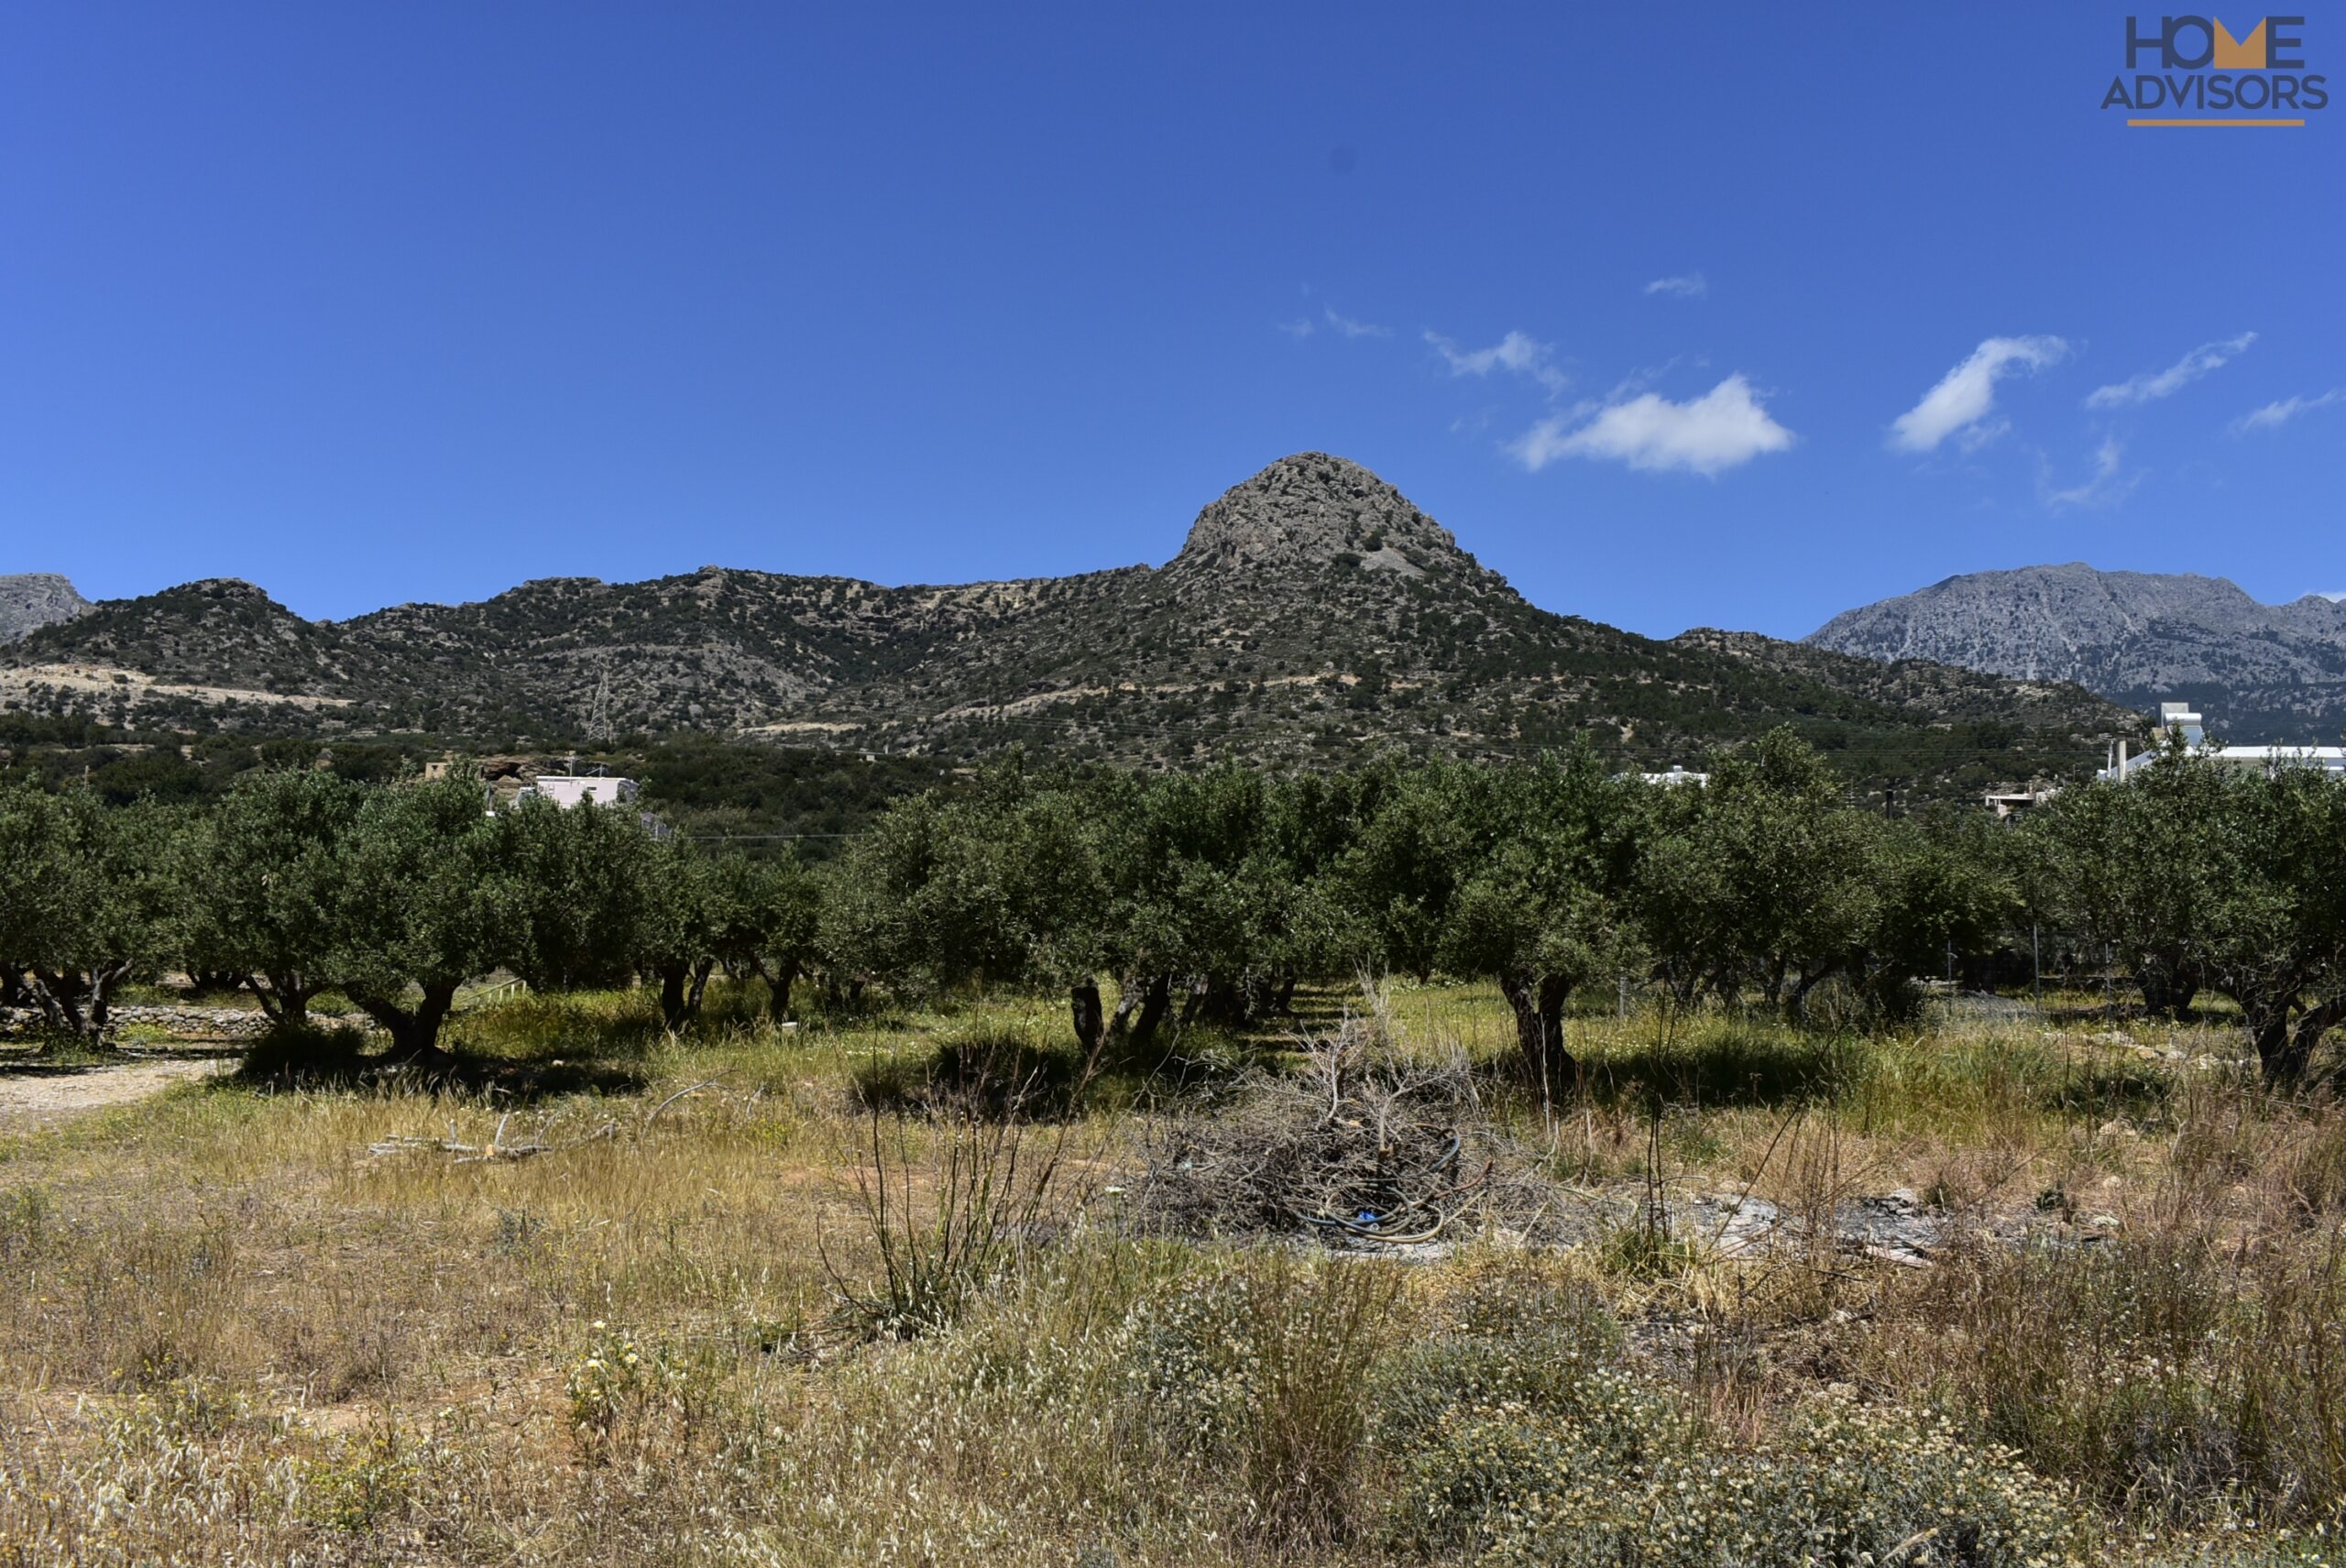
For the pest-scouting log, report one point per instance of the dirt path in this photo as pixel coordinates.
(29, 1093)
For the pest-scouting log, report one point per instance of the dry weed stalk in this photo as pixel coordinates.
(988, 1195)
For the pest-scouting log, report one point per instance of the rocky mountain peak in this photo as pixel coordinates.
(2260, 670)
(30, 600)
(1310, 511)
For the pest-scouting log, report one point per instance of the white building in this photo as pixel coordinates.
(1676, 777)
(567, 790)
(2178, 717)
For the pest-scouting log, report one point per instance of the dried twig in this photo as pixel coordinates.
(688, 1089)
(498, 1148)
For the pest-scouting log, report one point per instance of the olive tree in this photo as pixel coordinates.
(423, 901)
(85, 899)
(1001, 887)
(1760, 879)
(257, 879)
(1935, 887)
(768, 921)
(1544, 862)
(2272, 932)
(2125, 866)
(577, 887)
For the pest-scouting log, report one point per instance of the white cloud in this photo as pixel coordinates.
(1686, 286)
(1972, 437)
(1297, 329)
(1720, 430)
(2155, 384)
(2271, 416)
(1967, 394)
(1517, 352)
(2106, 488)
(1352, 328)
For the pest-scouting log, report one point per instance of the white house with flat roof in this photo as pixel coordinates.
(567, 790)
(2178, 717)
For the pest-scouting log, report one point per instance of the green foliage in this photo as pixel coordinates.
(259, 883)
(1207, 897)
(2205, 874)
(422, 901)
(85, 900)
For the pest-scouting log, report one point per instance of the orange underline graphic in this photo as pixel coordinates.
(2215, 122)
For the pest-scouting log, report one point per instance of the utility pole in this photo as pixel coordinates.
(598, 715)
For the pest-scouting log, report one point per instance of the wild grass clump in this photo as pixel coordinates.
(1602, 1466)
(1263, 1367)
(949, 1200)
(2171, 1376)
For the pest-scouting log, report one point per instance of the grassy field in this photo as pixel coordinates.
(613, 1298)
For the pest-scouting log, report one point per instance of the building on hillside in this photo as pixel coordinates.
(1676, 777)
(2178, 719)
(567, 790)
(2010, 803)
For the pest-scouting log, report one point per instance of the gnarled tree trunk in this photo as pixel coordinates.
(1538, 1003)
(681, 986)
(1083, 1007)
(76, 1003)
(284, 998)
(2285, 1052)
(2167, 985)
(415, 1030)
(1142, 1006)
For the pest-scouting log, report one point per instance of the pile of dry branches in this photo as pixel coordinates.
(1359, 1147)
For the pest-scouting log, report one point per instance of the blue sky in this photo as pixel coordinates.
(377, 304)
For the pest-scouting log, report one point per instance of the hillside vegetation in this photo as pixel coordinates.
(1314, 614)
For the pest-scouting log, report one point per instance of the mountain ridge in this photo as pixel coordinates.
(1312, 611)
(2260, 671)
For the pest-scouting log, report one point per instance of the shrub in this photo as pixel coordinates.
(1264, 1367)
(1616, 1472)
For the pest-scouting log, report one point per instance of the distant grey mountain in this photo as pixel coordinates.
(2258, 671)
(31, 600)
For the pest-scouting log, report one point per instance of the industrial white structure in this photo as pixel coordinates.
(2178, 718)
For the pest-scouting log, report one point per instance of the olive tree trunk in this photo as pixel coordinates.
(1538, 1003)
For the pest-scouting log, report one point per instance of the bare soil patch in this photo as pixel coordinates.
(30, 1091)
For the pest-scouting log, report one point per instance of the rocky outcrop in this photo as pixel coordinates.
(30, 600)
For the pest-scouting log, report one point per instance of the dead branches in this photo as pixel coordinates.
(1359, 1147)
(497, 1148)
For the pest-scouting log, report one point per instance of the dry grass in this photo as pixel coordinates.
(235, 1335)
